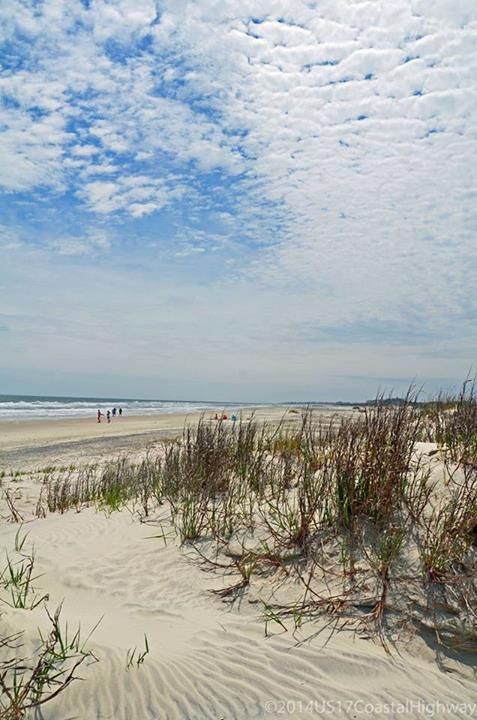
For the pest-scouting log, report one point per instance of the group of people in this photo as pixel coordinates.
(224, 417)
(109, 414)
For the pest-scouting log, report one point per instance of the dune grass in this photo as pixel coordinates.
(350, 512)
(30, 678)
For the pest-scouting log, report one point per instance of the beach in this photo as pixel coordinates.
(167, 646)
(25, 443)
(238, 403)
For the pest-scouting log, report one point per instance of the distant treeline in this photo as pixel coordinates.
(365, 403)
(449, 401)
(380, 401)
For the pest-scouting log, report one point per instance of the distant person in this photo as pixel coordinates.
(114, 412)
(120, 411)
(108, 416)
(99, 415)
(216, 417)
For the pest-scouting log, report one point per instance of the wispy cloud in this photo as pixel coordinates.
(323, 151)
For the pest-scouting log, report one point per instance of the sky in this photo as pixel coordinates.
(257, 200)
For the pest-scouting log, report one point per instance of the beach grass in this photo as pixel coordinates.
(350, 511)
(31, 677)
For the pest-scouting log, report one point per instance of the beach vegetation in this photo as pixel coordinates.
(351, 513)
(33, 673)
(15, 515)
(17, 577)
(28, 680)
(135, 658)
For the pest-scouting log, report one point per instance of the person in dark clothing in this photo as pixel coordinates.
(120, 411)
(108, 416)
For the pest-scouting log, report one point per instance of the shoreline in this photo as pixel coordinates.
(28, 443)
(63, 440)
(25, 432)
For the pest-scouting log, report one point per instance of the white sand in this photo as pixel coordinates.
(39, 433)
(31, 444)
(207, 660)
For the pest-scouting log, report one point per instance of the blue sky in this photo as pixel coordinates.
(256, 200)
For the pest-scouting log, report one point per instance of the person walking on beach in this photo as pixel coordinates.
(114, 412)
(120, 411)
(108, 416)
(99, 415)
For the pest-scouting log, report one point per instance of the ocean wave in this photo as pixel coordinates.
(77, 408)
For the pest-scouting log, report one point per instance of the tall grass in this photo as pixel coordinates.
(336, 507)
(452, 423)
(110, 487)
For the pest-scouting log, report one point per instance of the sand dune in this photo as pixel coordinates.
(207, 660)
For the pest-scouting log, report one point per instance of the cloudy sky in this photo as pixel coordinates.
(237, 199)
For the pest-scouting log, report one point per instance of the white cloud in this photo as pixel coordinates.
(348, 145)
(138, 195)
(454, 13)
(70, 90)
(122, 18)
(348, 130)
(85, 150)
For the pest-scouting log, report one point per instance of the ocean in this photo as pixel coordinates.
(31, 407)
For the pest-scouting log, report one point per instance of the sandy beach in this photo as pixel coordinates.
(206, 659)
(238, 395)
(29, 442)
